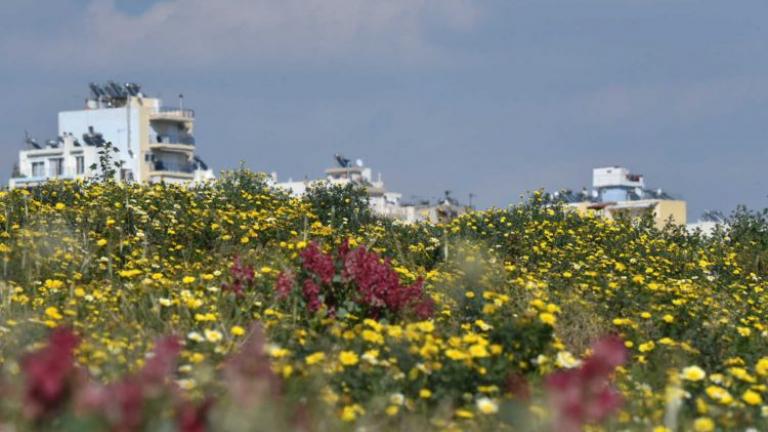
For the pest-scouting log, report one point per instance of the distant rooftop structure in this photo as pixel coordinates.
(382, 202)
(617, 191)
(154, 143)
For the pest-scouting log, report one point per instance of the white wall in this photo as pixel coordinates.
(118, 125)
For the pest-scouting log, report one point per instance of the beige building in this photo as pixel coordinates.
(663, 211)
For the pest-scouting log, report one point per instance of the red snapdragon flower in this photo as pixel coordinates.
(318, 262)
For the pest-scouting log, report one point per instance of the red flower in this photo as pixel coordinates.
(379, 287)
(241, 276)
(284, 284)
(194, 418)
(49, 373)
(319, 263)
(162, 362)
(311, 293)
(123, 402)
(248, 374)
(585, 395)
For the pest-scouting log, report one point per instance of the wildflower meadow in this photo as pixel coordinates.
(231, 306)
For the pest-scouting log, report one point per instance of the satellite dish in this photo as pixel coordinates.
(359, 162)
(341, 160)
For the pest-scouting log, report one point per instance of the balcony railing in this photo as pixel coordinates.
(172, 139)
(175, 112)
(174, 167)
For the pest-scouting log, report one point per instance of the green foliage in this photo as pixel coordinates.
(343, 207)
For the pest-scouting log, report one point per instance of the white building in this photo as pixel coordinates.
(153, 142)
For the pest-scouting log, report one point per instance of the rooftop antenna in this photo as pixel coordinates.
(471, 195)
(181, 101)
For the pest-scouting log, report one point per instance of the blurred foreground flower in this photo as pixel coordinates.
(50, 373)
(585, 395)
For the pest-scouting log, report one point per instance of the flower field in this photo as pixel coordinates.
(231, 306)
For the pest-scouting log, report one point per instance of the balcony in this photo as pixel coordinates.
(165, 166)
(173, 143)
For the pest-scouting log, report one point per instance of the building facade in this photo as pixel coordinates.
(154, 143)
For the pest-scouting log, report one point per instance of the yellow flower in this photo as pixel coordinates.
(53, 284)
(314, 358)
(287, 371)
(693, 373)
(60, 206)
(237, 331)
(719, 394)
(278, 352)
(164, 301)
(348, 358)
(762, 367)
(669, 319)
(462, 413)
(487, 406)
(351, 412)
(478, 350)
(101, 242)
(373, 337)
(392, 410)
(188, 279)
(213, 336)
(752, 397)
(53, 313)
(425, 393)
(455, 354)
(646, 347)
(703, 424)
(547, 318)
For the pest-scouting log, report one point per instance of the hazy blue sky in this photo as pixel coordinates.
(494, 97)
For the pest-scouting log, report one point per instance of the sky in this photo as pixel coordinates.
(489, 97)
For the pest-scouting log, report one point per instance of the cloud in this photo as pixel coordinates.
(205, 32)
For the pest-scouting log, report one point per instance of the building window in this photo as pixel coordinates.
(38, 169)
(56, 166)
(79, 164)
(126, 175)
